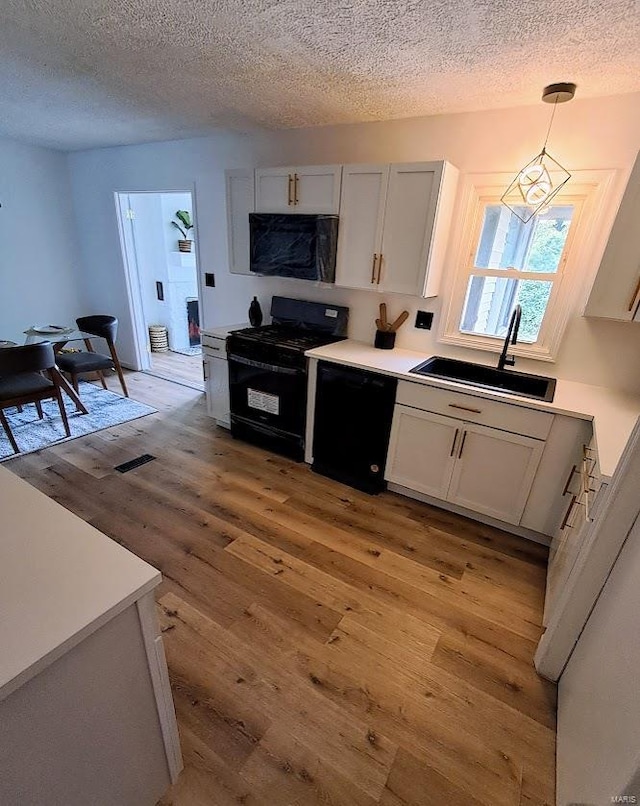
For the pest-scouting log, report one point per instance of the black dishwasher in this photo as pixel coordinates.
(353, 414)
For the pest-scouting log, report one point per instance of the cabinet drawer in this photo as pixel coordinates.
(506, 416)
(215, 344)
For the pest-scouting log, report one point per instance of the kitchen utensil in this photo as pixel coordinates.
(383, 316)
(379, 324)
(399, 321)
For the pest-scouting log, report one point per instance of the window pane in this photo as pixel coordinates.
(505, 242)
(490, 301)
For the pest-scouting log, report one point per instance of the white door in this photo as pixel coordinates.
(239, 186)
(412, 202)
(317, 189)
(494, 471)
(275, 190)
(422, 450)
(362, 200)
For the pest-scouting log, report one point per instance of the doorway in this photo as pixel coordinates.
(160, 262)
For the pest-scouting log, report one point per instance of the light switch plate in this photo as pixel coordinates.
(424, 320)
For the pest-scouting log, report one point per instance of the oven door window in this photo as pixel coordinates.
(263, 393)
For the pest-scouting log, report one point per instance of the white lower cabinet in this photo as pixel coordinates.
(216, 380)
(422, 451)
(494, 471)
(483, 469)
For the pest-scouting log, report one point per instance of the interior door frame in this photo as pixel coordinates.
(132, 274)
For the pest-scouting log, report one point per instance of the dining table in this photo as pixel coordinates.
(59, 336)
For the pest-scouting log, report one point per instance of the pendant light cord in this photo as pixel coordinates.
(546, 139)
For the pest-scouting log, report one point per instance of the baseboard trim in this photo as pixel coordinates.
(519, 531)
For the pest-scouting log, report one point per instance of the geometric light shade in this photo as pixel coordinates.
(535, 185)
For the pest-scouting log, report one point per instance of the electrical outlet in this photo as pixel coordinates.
(209, 279)
(424, 320)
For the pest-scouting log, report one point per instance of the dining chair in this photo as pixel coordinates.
(28, 374)
(105, 327)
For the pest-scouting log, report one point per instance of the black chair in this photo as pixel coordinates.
(106, 327)
(22, 381)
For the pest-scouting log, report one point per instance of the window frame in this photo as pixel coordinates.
(586, 191)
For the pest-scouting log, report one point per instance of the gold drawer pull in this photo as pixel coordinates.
(464, 408)
(379, 269)
(636, 291)
(295, 189)
(373, 267)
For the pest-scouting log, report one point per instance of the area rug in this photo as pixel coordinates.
(105, 410)
(195, 350)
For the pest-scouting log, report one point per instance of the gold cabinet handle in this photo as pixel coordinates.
(636, 291)
(568, 482)
(379, 269)
(373, 267)
(296, 179)
(464, 408)
(464, 436)
(453, 444)
(289, 189)
(565, 524)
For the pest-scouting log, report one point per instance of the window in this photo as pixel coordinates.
(542, 265)
(514, 263)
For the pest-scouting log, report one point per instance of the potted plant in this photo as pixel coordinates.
(184, 225)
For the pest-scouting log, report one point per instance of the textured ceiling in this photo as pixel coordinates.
(84, 73)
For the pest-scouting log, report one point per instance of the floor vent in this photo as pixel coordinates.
(125, 467)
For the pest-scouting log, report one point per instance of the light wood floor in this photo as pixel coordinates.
(324, 646)
(186, 369)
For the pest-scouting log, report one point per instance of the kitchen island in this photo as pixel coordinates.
(85, 703)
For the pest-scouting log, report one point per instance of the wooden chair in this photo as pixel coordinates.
(106, 327)
(22, 381)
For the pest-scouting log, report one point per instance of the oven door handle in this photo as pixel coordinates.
(249, 362)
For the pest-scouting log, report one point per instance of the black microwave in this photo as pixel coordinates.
(294, 245)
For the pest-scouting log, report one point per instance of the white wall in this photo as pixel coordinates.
(591, 134)
(39, 250)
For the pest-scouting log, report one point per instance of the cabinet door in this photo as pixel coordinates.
(409, 218)
(364, 190)
(616, 290)
(317, 189)
(494, 471)
(217, 386)
(275, 190)
(422, 450)
(239, 186)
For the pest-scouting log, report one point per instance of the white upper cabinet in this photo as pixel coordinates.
(240, 200)
(364, 193)
(306, 189)
(616, 290)
(394, 226)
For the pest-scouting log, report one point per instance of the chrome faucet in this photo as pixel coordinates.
(512, 338)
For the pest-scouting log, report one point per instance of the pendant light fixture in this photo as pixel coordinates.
(539, 181)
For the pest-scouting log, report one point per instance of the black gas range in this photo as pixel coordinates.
(268, 372)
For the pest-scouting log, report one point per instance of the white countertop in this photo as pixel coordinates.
(60, 580)
(223, 331)
(614, 413)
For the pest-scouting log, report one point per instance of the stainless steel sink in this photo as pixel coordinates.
(500, 380)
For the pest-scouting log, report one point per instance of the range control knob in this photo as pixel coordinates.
(375, 468)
